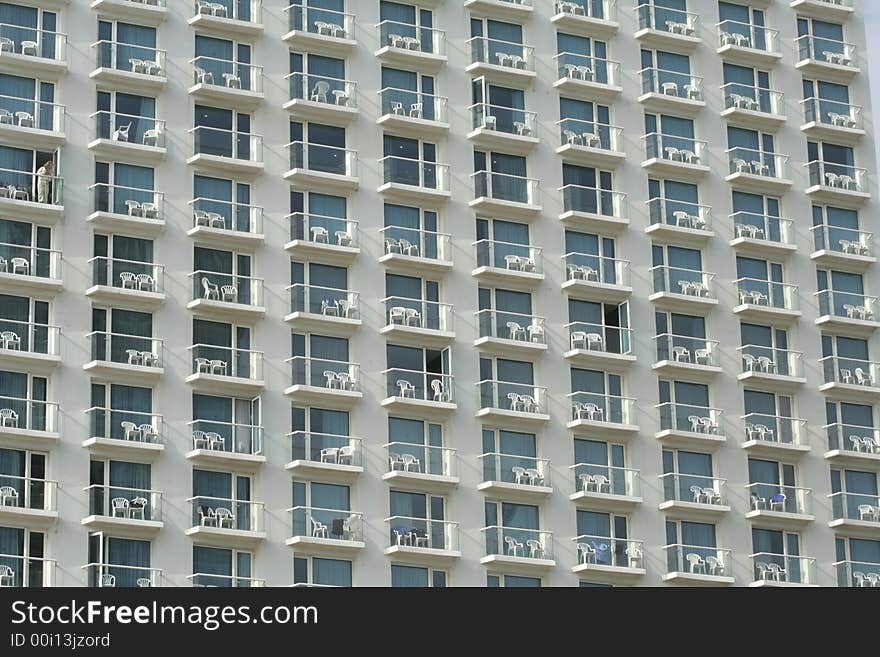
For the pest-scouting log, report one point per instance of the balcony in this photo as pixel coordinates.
(242, 18)
(832, 9)
(326, 531)
(223, 370)
(587, 77)
(324, 308)
(753, 107)
(418, 321)
(691, 357)
(416, 251)
(510, 334)
(128, 210)
(514, 10)
(758, 171)
(30, 269)
(226, 224)
(123, 434)
(30, 51)
(35, 196)
(226, 152)
(856, 514)
(506, 129)
(226, 296)
(29, 572)
(421, 467)
(766, 300)
(832, 120)
(613, 560)
(505, 195)
(663, 27)
(323, 168)
(111, 575)
(423, 540)
(506, 402)
(844, 247)
(588, 143)
(681, 157)
(129, 67)
(134, 139)
(771, 368)
(125, 358)
(827, 58)
(29, 345)
(688, 425)
(414, 113)
(124, 512)
(510, 477)
(28, 502)
(506, 263)
(321, 98)
(586, 17)
(127, 283)
(778, 506)
(698, 565)
(600, 345)
(831, 182)
(693, 497)
(501, 62)
(330, 457)
(774, 436)
(320, 30)
(857, 574)
(594, 209)
(854, 313)
(748, 44)
(596, 278)
(332, 240)
(605, 487)
(686, 290)
(419, 393)
(407, 180)
(232, 84)
(32, 123)
(405, 44)
(319, 380)
(203, 580)
(226, 522)
(146, 12)
(226, 445)
(671, 91)
(852, 379)
(518, 549)
(679, 221)
(782, 570)
(762, 235)
(602, 415)
(28, 423)
(853, 445)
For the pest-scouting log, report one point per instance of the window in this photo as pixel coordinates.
(414, 576)
(773, 487)
(771, 343)
(507, 314)
(313, 356)
(856, 558)
(672, 138)
(501, 177)
(749, 88)
(414, 302)
(515, 530)
(418, 373)
(495, 42)
(833, 165)
(854, 495)
(315, 429)
(418, 520)
(129, 48)
(407, 21)
(319, 571)
(685, 407)
(684, 539)
(772, 549)
(222, 567)
(25, 472)
(846, 360)
(222, 133)
(114, 405)
(580, 120)
(131, 114)
(842, 294)
(322, 510)
(757, 216)
(412, 231)
(500, 108)
(230, 199)
(837, 229)
(751, 151)
(678, 270)
(119, 562)
(122, 188)
(680, 337)
(829, 103)
(411, 162)
(495, 581)
(23, 551)
(508, 456)
(602, 539)
(30, 175)
(762, 283)
(31, 101)
(497, 239)
(28, 321)
(816, 37)
(318, 147)
(503, 383)
(670, 74)
(850, 426)
(610, 321)
(235, 421)
(222, 62)
(591, 257)
(225, 497)
(688, 477)
(421, 440)
(116, 333)
(214, 270)
(745, 21)
(405, 89)
(112, 480)
(22, 23)
(119, 259)
(608, 460)
(676, 203)
(597, 395)
(227, 343)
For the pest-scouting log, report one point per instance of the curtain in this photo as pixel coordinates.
(331, 572)
(408, 576)
(12, 544)
(213, 561)
(128, 552)
(130, 330)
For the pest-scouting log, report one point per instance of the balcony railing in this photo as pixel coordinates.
(129, 201)
(849, 241)
(129, 128)
(226, 361)
(508, 120)
(666, 19)
(687, 349)
(124, 503)
(225, 581)
(509, 256)
(832, 113)
(29, 337)
(599, 9)
(418, 313)
(139, 350)
(693, 488)
(748, 35)
(228, 437)
(698, 560)
(33, 42)
(674, 84)
(30, 260)
(28, 414)
(413, 104)
(31, 113)
(682, 214)
(227, 215)
(334, 524)
(606, 479)
(319, 229)
(593, 268)
(327, 301)
(323, 22)
(120, 424)
(864, 507)
(506, 187)
(607, 551)
(128, 274)
(673, 148)
(510, 396)
(829, 51)
(587, 68)
(513, 469)
(218, 142)
(28, 493)
(591, 200)
(838, 176)
(599, 407)
(417, 385)
(17, 185)
(417, 243)
(762, 227)
(323, 159)
(600, 337)
(325, 448)
(590, 134)
(507, 54)
(211, 71)
(857, 574)
(850, 371)
(338, 375)
(853, 438)
(850, 305)
(757, 162)
(322, 89)
(690, 418)
(114, 575)
(769, 567)
(518, 542)
(422, 533)
(420, 458)
(30, 572)
(227, 288)
(752, 98)
(511, 326)
(678, 280)
(248, 11)
(780, 498)
(129, 57)
(772, 294)
(416, 38)
(415, 173)
(775, 429)
(762, 359)
(225, 513)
